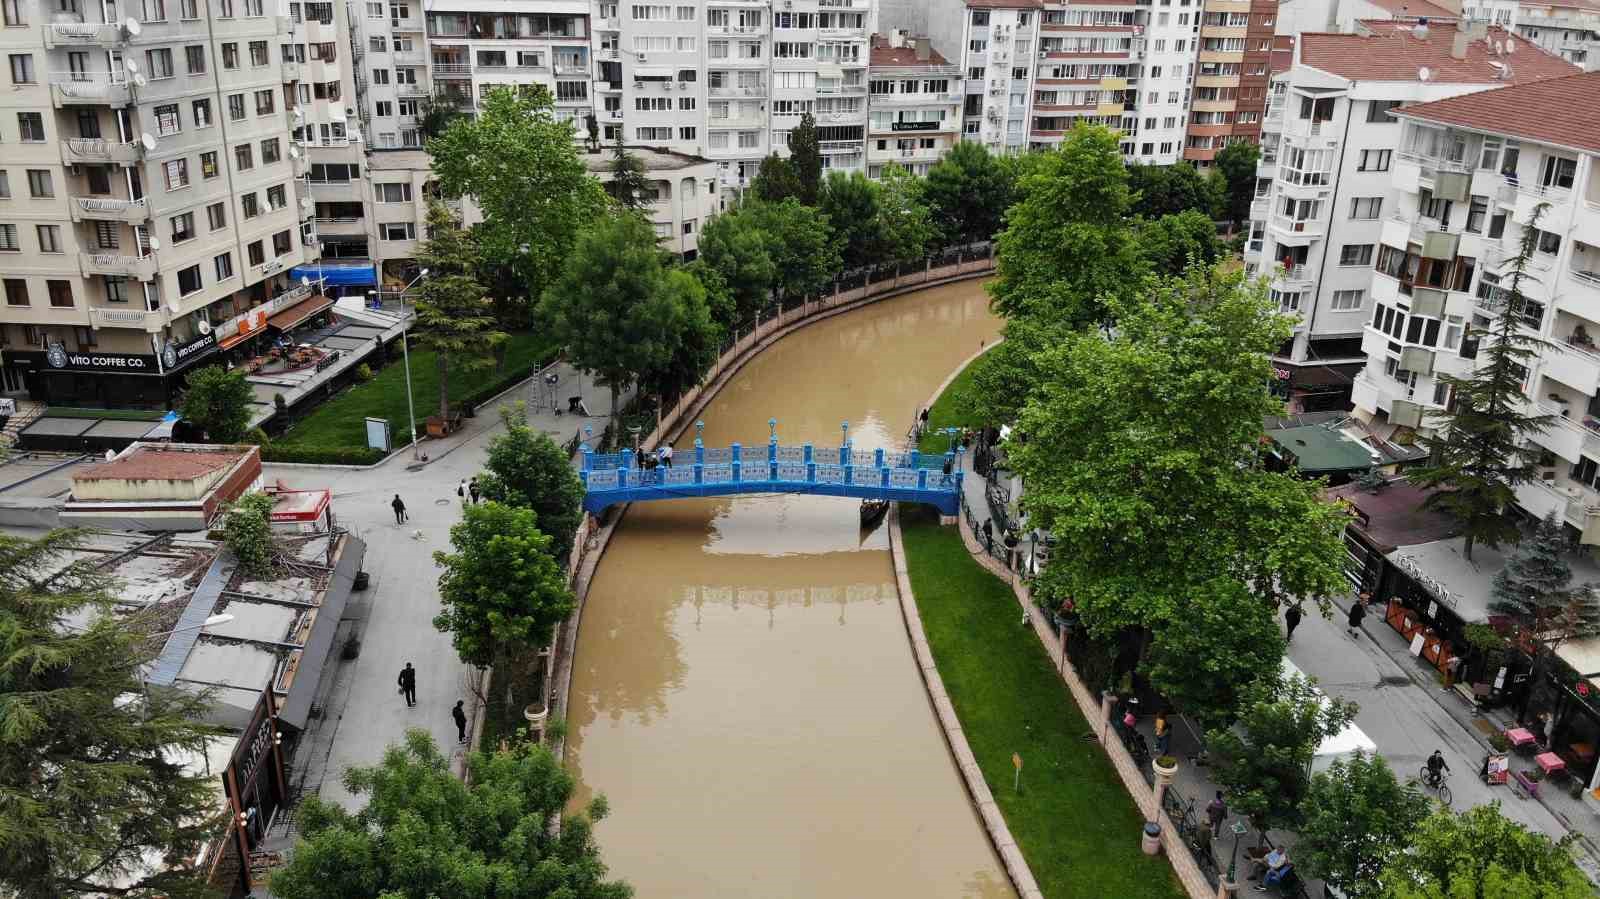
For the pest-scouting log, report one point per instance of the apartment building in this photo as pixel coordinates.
(683, 192)
(1332, 146)
(1568, 28)
(1471, 171)
(149, 190)
(913, 104)
(1230, 85)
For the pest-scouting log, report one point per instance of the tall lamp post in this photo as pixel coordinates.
(405, 351)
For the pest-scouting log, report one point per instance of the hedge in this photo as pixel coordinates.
(321, 455)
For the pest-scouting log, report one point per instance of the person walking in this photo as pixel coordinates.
(1216, 813)
(460, 716)
(1163, 733)
(1291, 620)
(408, 685)
(1357, 612)
(472, 488)
(461, 492)
(399, 510)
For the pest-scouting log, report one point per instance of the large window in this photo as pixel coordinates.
(189, 280)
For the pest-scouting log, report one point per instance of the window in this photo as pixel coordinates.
(264, 102)
(13, 13)
(1476, 213)
(189, 10)
(224, 265)
(49, 238)
(1366, 208)
(177, 173)
(1378, 110)
(271, 151)
(154, 11)
(282, 243)
(182, 227)
(167, 121)
(40, 185)
(1355, 254)
(243, 158)
(277, 197)
(22, 68)
(201, 110)
(256, 252)
(396, 192)
(249, 205)
(397, 231)
(105, 235)
(60, 294)
(16, 292)
(235, 107)
(1374, 161)
(159, 62)
(8, 239)
(380, 76)
(189, 280)
(116, 290)
(258, 53)
(569, 91)
(217, 216)
(1548, 242)
(31, 127)
(230, 55)
(1346, 300)
(88, 124)
(208, 165)
(687, 133)
(194, 57)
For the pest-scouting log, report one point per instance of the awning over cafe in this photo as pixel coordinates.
(334, 274)
(299, 312)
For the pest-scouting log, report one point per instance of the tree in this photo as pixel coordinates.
(1163, 190)
(434, 114)
(1067, 245)
(967, 193)
(1481, 854)
(522, 166)
(453, 317)
(525, 469)
(775, 180)
(1223, 641)
(1535, 590)
(247, 532)
(1265, 761)
(219, 402)
(92, 780)
(905, 226)
(806, 155)
(1140, 457)
(1358, 819)
(734, 247)
(628, 183)
(609, 308)
(592, 126)
(850, 202)
(1237, 163)
(502, 590)
(696, 342)
(805, 253)
(1480, 452)
(424, 832)
(1171, 243)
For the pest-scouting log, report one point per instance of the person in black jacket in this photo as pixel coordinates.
(408, 685)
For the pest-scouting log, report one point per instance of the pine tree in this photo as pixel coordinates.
(805, 154)
(454, 319)
(1535, 590)
(1480, 452)
(628, 182)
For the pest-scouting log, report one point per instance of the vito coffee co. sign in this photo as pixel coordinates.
(59, 358)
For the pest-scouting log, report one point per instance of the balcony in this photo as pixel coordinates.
(95, 151)
(412, 90)
(89, 88)
(341, 225)
(133, 212)
(140, 267)
(739, 62)
(104, 317)
(449, 70)
(570, 67)
(834, 90)
(1296, 277)
(838, 146)
(1440, 245)
(83, 34)
(1570, 503)
(738, 122)
(759, 90)
(1573, 365)
(914, 99)
(1297, 232)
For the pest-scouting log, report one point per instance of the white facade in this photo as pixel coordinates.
(1570, 30)
(913, 106)
(684, 191)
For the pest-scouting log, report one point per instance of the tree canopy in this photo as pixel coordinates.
(805, 154)
(526, 469)
(219, 402)
(905, 225)
(1481, 854)
(628, 183)
(454, 319)
(1162, 190)
(92, 776)
(1172, 242)
(851, 203)
(967, 193)
(502, 590)
(1358, 819)
(1223, 641)
(801, 242)
(1237, 164)
(736, 249)
(775, 180)
(424, 833)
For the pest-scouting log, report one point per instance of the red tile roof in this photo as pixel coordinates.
(148, 464)
(1412, 9)
(885, 55)
(1392, 52)
(1561, 111)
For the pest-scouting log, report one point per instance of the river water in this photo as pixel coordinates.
(743, 689)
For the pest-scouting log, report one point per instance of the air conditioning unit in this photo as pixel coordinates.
(667, 86)
(643, 58)
(683, 85)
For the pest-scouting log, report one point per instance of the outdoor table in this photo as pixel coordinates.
(1550, 763)
(1519, 736)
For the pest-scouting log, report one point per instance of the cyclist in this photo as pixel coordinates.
(1436, 768)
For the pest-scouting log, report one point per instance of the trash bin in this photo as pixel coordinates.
(1151, 844)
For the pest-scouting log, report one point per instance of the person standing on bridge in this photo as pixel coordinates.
(665, 454)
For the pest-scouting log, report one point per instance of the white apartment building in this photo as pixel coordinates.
(913, 104)
(1470, 173)
(149, 190)
(684, 191)
(1568, 28)
(1330, 150)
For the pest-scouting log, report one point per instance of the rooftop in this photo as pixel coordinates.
(655, 159)
(1391, 51)
(1315, 449)
(1394, 516)
(883, 54)
(172, 462)
(1563, 111)
(1413, 9)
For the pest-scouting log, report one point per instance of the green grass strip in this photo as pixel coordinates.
(1075, 823)
(945, 414)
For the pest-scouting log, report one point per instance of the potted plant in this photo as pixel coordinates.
(1166, 767)
(1499, 742)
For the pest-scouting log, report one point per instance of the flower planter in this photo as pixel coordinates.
(1164, 772)
(1528, 783)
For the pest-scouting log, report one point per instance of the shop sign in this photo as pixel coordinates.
(915, 126)
(60, 358)
(254, 744)
(176, 355)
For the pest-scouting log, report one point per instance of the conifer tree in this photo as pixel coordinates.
(1535, 589)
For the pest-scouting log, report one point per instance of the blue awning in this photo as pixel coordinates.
(338, 275)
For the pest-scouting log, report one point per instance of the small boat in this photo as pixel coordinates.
(872, 512)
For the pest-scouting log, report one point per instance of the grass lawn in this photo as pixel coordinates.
(1076, 825)
(342, 420)
(944, 415)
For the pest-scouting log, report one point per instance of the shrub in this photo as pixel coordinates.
(321, 455)
(363, 372)
(248, 533)
(257, 437)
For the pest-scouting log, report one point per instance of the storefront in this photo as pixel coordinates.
(92, 379)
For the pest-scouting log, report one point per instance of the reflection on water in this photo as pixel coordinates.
(743, 690)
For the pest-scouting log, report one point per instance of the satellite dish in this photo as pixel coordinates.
(305, 203)
(131, 64)
(305, 281)
(1424, 73)
(147, 140)
(294, 152)
(140, 80)
(299, 113)
(203, 326)
(133, 26)
(153, 242)
(1510, 45)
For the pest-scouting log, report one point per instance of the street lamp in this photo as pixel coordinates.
(1239, 830)
(405, 351)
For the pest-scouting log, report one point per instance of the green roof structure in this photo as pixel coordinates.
(1315, 449)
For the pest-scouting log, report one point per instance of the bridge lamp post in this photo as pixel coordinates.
(844, 429)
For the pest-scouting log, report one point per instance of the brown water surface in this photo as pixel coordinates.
(744, 693)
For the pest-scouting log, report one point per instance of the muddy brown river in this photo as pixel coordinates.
(743, 691)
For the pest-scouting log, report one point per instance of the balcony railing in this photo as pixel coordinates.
(118, 317)
(569, 67)
(141, 267)
(839, 146)
(97, 150)
(450, 68)
(106, 206)
(106, 86)
(759, 90)
(63, 33)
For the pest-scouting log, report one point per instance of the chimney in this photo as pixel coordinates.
(924, 49)
(897, 38)
(1458, 46)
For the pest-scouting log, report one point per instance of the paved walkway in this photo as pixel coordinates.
(394, 617)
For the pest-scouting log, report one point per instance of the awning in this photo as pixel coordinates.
(361, 275)
(829, 70)
(652, 72)
(296, 709)
(236, 339)
(299, 312)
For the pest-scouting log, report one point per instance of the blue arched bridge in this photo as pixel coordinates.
(909, 476)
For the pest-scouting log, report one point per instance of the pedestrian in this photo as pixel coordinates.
(1163, 733)
(1357, 612)
(461, 492)
(408, 685)
(1291, 620)
(472, 488)
(460, 716)
(399, 510)
(664, 454)
(1216, 813)
(1541, 729)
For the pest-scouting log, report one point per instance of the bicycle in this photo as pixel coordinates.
(1437, 784)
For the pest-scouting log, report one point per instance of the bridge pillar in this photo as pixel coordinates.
(916, 458)
(588, 455)
(808, 454)
(811, 467)
(738, 454)
(699, 452)
(877, 457)
(699, 473)
(627, 458)
(922, 479)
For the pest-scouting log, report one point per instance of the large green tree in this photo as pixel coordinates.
(502, 590)
(1068, 244)
(905, 226)
(424, 832)
(805, 153)
(802, 244)
(628, 184)
(522, 167)
(1171, 243)
(697, 337)
(219, 402)
(1536, 592)
(850, 202)
(967, 193)
(94, 789)
(775, 180)
(1265, 761)
(1481, 854)
(454, 319)
(1358, 817)
(736, 250)
(1479, 452)
(1140, 457)
(1173, 189)
(1223, 641)
(525, 469)
(1237, 163)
